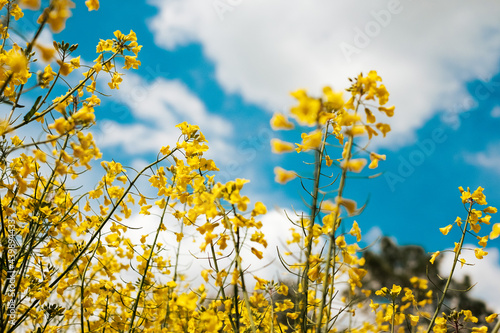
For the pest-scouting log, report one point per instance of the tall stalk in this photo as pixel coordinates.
(455, 261)
(318, 161)
(331, 236)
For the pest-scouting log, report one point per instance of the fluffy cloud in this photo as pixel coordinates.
(484, 272)
(156, 106)
(192, 261)
(489, 159)
(424, 50)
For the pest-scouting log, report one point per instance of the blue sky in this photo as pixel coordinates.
(227, 65)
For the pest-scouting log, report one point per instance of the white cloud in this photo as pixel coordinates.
(489, 159)
(192, 261)
(276, 228)
(484, 272)
(372, 237)
(425, 51)
(157, 107)
(495, 112)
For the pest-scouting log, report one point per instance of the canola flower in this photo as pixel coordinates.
(69, 262)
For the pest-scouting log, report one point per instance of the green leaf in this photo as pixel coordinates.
(30, 114)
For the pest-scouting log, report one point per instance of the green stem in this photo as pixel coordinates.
(91, 240)
(497, 327)
(238, 266)
(314, 210)
(455, 261)
(221, 289)
(393, 315)
(148, 264)
(331, 250)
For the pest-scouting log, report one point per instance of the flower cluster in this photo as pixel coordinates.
(111, 257)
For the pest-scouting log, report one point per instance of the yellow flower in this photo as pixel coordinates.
(187, 301)
(495, 232)
(350, 205)
(483, 241)
(349, 119)
(258, 237)
(261, 283)
(370, 118)
(59, 13)
(329, 206)
(259, 209)
(283, 176)
(434, 256)
(446, 229)
(279, 121)
(384, 128)
(388, 111)
(204, 274)
(115, 81)
(4, 126)
(395, 290)
(279, 147)
(46, 52)
(382, 292)
(61, 125)
(104, 45)
(75, 62)
(17, 61)
(490, 210)
(16, 141)
(84, 115)
(371, 132)
(65, 68)
(16, 11)
(283, 290)
(491, 318)
(354, 165)
(257, 253)
(479, 197)
(92, 4)
(413, 319)
(340, 241)
(40, 155)
(131, 62)
(310, 141)
(374, 306)
(308, 109)
(334, 100)
(374, 160)
(328, 160)
(480, 253)
(145, 209)
(462, 262)
(355, 231)
(468, 316)
(47, 76)
(465, 195)
(356, 130)
(30, 4)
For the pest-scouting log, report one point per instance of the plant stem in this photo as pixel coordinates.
(497, 327)
(455, 261)
(90, 241)
(314, 210)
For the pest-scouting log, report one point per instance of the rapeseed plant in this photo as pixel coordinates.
(68, 262)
